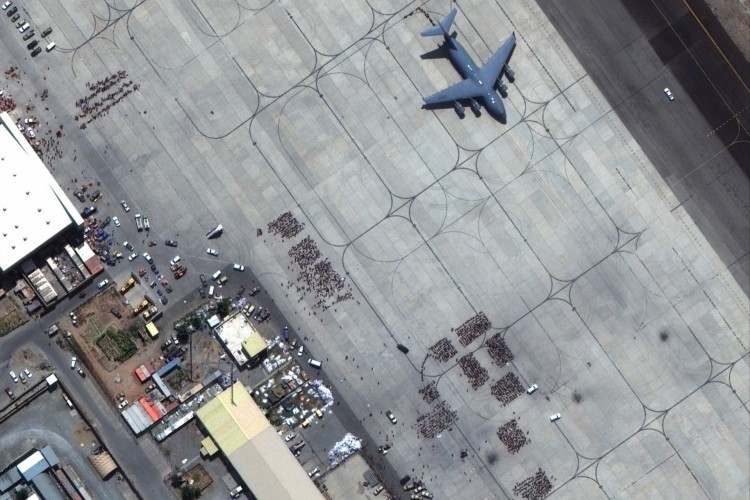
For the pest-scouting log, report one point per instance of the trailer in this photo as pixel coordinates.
(146, 223)
(215, 232)
(138, 222)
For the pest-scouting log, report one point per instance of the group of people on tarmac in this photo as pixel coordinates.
(507, 388)
(512, 436)
(440, 418)
(473, 328)
(93, 107)
(443, 350)
(536, 486)
(475, 372)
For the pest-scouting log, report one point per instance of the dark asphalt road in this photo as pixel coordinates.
(117, 439)
(700, 142)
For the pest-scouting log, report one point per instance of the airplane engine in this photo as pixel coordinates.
(510, 74)
(502, 88)
(459, 108)
(475, 107)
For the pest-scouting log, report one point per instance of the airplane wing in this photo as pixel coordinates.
(491, 71)
(462, 90)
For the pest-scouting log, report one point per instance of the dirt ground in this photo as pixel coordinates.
(734, 15)
(11, 316)
(94, 317)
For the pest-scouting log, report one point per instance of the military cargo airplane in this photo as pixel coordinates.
(479, 83)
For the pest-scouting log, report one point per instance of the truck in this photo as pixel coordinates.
(138, 222)
(215, 232)
(140, 307)
(52, 330)
(127, 286)
(145, 222)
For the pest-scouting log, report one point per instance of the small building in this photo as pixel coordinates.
(243, 342)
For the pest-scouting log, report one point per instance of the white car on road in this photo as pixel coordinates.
(102, 284)
(211, 251)
(116, 221)
(668, 93)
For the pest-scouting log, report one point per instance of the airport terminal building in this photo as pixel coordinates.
(34, 209)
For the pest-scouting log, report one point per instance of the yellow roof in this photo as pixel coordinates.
(210, 446)
(232, 418)
(152, 330)
(258, 454)
(254, 344)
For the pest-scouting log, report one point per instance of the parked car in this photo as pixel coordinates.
(7, 4)
(87, 211)
(28, 34)
(15, 18)
(116, 221)
(133, 256)
(12, 11)
(103, 283)
(122, 203)
(127, 245)
(30, 46)
(27, 372)
(391, 417)
(204, 280)
(7, 389)
(668, 93)
(239, 267)
(46, 32)
(35, 53)
(164, 300)
(148, 258)
(81, 373)
(80, 196)
(202, 293)
(13, 376)
(170, 243)
(211, 251)
(116, 313)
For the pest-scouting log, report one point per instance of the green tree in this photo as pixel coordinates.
(223, 307)
(190, 492)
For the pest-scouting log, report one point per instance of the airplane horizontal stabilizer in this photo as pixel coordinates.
(443, 28)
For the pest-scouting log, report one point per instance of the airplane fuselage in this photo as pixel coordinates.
(469, 70)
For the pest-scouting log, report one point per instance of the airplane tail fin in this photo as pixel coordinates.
(443, 28)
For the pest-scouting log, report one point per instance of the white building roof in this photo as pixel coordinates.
(33, 207)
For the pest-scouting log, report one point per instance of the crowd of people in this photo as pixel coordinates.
(305, 253)
(475, 372)
(512, 436)
(316, 275)
(443, 350)
(499, 350)
(322, 279)
(286, 226)
(97, 104)
(429, 392)
(473, 328)
(536, 486)
(440, 418)
(507, 388)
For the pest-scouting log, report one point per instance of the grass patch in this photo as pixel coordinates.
(118, 345)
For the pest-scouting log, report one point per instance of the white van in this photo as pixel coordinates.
(235, 492)
(51, 46)
(216, 275)
(314, 363)
(211, 291)
(73, 362)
